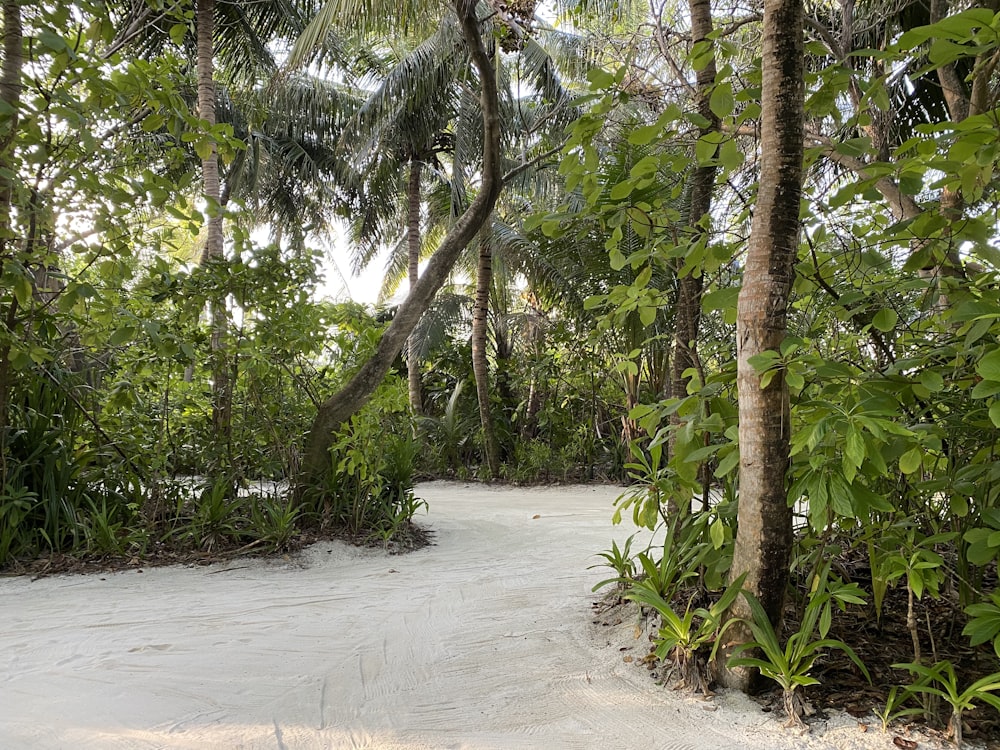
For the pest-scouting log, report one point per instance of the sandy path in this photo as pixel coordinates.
(483, 640)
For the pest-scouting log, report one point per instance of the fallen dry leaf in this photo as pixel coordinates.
(537, 515)
(905, 744)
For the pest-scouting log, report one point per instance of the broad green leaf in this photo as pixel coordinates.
(122, 335)
(885, 320)
(704, 150)
(720, 299)
(910, 461)
(177, 33)
(622, 189)
(985, 389)
(204, 148)
(855, 446)
(717, 532)
(721, 101)
(726, 464)
(932, 381)
(644, 135)
(600, 78)
(989, 366)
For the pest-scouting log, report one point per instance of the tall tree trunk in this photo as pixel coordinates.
(533, 404)
(764, 536)
(480, 363)
(213, 251)
(342, 405)
(413, 266)
(10, 95)
(702, 182)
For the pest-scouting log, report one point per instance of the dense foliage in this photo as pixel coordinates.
(155, 398)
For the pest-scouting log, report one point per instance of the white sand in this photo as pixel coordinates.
(484, 640)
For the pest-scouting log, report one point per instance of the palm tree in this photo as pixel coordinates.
(404, 123)
(338, 408)
(213, 252)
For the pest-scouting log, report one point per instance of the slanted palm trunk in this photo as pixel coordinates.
(413, 266)
(213, 251)
(10, 95)
(480, 363)
(339, 408)
(764, 538)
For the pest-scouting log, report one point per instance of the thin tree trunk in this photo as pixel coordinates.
(413, 266)
(480, 363)
(702, 182)
(342, 405)
(764, 537)
(10, 95)
(214, 247)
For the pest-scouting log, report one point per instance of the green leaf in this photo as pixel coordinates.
(22, 291)
(932, 381)
(720, 299)
(763, 361)
(204, 148)
(988, 367)
(717, 532)
(985, 389)
(49, 39)
(995, 413)
(600, 78)
(885, 320)
(730, 156)
(177, 33)
(726, 464)
(721, 101)
(644, 135)
(122, 335)
(704, 150)
(855, 446)
(910, 461)
(153, 122)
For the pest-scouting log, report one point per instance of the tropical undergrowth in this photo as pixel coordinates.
(111, 457)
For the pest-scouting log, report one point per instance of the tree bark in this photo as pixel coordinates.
(691, 285)
(10, 95)
(342, 405)
(480, 363)
(213, 250)
(413, 266)
(764, 536)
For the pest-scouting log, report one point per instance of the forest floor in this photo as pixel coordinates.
(486, 638)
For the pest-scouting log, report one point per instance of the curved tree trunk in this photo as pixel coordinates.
(764, 537)
(413, 266)
(10, 95)
(342, 405)
(222, 398)
(480, 363)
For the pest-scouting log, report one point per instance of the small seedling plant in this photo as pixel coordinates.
(940, 680)
(619, 559)
(683, 638)
(790, 666)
